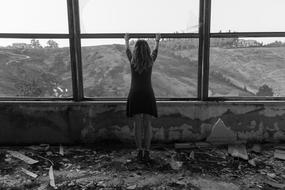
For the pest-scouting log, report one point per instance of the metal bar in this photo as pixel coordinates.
(72, 47)
(33, 99)
(30, 35)
(247, 34)
(75, 51)
(140, 35)
(200, 50)
(77, 40)
(206, 49)
(125, 99)
(247, 98)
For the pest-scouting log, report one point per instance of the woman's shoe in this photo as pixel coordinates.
(146, 157)
(140, 155)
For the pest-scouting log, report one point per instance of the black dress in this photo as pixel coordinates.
(141, 97)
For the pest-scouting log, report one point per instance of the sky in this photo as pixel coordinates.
(147, 16)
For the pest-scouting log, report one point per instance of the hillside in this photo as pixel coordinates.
(45, 72)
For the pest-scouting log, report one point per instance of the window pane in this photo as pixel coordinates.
(247, 67)
(106, 69)
(35, 68)
(248, 16)
(33, 16)
(111, 16)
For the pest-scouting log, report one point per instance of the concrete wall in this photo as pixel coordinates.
(89, 122)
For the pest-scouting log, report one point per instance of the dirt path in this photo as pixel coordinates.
(17, 57)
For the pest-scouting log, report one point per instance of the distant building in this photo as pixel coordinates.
(247, 43)
(21, 45)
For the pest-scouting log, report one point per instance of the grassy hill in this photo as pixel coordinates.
(46, 72)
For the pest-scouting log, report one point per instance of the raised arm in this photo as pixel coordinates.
(155, 51)
(157, 38)
(128, 51)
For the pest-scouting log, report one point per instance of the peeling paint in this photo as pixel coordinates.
(32, 123)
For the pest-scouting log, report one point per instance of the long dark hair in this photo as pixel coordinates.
(141, 59)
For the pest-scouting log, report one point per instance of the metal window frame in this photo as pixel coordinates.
(204, 35)
(241, 35)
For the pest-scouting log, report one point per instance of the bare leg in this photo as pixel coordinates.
(147, 131)
(138, 130)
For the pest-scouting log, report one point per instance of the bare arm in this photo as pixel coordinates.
(157, 38)
(128, 51)
(127, 39)
(155, 51)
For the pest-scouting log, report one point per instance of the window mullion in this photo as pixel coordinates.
(75, 49)
(206, 50)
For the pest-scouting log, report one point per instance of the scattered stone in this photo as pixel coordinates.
(252, 162)
(43, 187)
(49, 153)
(175, 165)
(238, 150)
(272, 175)
(256, 148)
(279, 153)
(192, 155)
(132, 187)
(221, 134)
(61, 150)
(275, 184)
(29, 173)
(184, 145)
(203, 144)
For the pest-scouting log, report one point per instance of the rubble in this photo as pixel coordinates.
(220, 134)
(20, 156)
(33, 175)
(238, 150)
(279, 153)
(198, 168)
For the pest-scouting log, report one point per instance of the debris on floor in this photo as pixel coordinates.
(238, 150)
(200, 166)
(221, 133)
(280, 152)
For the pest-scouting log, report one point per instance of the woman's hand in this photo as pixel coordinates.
(157, 37)
(127, 37)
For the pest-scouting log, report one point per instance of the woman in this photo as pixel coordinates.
(141, 104)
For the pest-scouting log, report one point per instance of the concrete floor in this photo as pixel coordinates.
(109, 167)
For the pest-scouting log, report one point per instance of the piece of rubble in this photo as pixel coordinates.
(279, 153)
(33, 175)
(184, 145)
(23, 157)
(132, 187)
(252, 162)
(192, 155)
(238, 150)
(175, 165)
(203, 144)
(256, 148)
(220, 134)
(275, 184)
(61, 150)
(43, 187)
(51, 178)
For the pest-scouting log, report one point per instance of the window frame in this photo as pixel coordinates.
(210, 35)
(204, 35)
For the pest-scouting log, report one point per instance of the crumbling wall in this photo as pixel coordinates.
(71, 123)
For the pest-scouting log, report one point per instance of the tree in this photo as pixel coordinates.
(264, 90)
(35, 43)
(52, 44)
